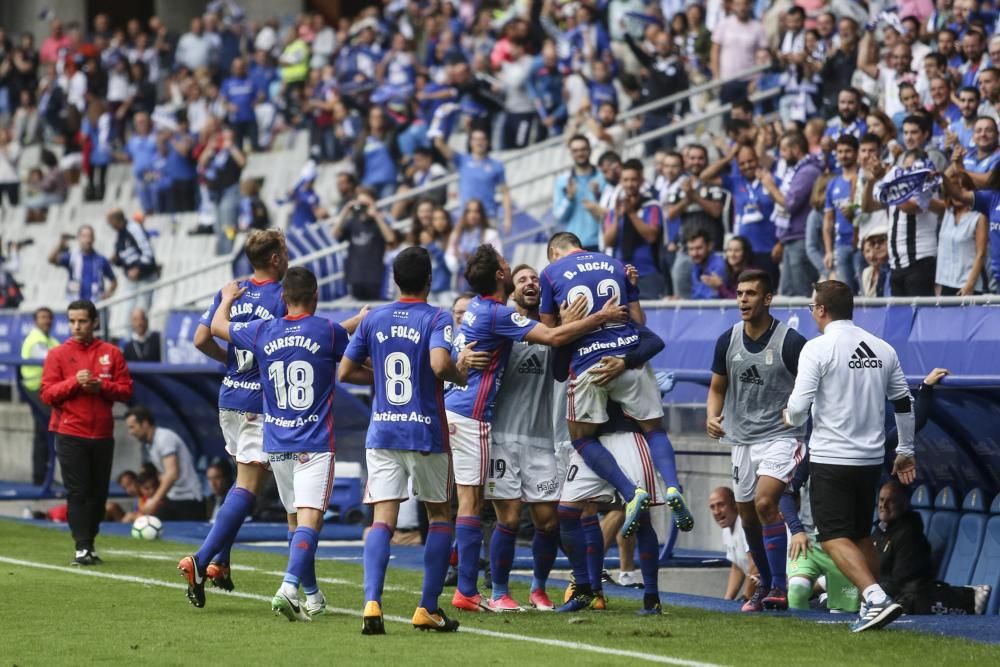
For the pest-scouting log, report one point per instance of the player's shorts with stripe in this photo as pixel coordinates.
(244, 435)
(304, 479)
(389, 470)
(470, 448)
(522, 472)
(632, 454)
(635, 390)
(777, 458)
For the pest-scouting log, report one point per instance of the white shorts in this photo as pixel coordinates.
(389, 470)
(520, 472)
(777, 459)
(304, 479)
(632, 454)
(635, 390)
(564, 451)
(470, 448)
(244, 435)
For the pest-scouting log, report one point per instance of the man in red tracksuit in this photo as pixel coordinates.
(81, 380)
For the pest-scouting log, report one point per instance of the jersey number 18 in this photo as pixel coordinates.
(293, 387)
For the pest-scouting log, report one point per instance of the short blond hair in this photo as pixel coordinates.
(262, 244)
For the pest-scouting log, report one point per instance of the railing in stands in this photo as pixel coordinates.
(630, 143)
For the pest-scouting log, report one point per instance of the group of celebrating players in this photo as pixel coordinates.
(549, 402)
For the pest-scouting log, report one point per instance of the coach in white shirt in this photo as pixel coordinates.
(845, 376)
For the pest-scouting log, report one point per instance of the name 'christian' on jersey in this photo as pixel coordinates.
(494, 327)
(240, 389)
(408, 408)
(298, 358)
(597, 278)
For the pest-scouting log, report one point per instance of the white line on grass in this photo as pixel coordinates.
(577, 646)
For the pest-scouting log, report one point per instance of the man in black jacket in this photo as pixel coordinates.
(663, 75)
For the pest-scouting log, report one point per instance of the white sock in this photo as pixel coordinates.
(874, 594)
(314, 597)
(290, 590)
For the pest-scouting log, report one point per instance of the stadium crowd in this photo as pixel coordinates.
(873, 101)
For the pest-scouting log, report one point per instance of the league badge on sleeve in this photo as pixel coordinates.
(519, 319)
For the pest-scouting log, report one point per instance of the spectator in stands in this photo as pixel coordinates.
(10, 180)
(986, 154)
(97, 127)
(722, 504)
(307, 208)
(633, 231)
(195, 48)
(738, 253)
(179, 496)
(221, 163)
(26, 127)
(82, 379)
(875, 276)
(480, 176)
(141, 150)
(989, 90)
(838, 214)
(362, 225)
(847, 120)
(663, 75)
(906, 571)
(708, 268)
(913, 228)
(473, 230)
(545, 84)
(141, 344)
(49, 188)
(134, 254)
(376, 154)
(738, 40)
(240, 95)
(838, 67)
(520, 116)
(347, 189)
(421, 171)
(181, 167)
(90, 274)
(890, 77)
(576, 194)
(961, 256)
(220, 479)
(981, 192)
(36, 346)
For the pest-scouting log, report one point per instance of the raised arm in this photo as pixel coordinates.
(570, 331)
(220, 320)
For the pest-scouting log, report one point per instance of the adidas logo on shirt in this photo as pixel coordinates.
(863, 357)
(751, 375)
(532, 366)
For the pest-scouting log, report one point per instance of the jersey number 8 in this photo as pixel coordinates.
(294, 387)
(398, 385)
(606, 288)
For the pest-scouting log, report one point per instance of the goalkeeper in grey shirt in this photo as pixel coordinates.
(844, 377)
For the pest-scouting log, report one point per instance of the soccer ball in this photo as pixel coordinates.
(147, 528)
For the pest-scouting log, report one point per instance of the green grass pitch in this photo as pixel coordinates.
(133, 610)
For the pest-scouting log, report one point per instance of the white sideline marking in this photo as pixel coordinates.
(649, 657)
(149, 555)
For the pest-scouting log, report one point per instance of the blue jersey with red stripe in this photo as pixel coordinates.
(596, 277)
(240, 388)
(408, 406)
(298, 360)
(494, 327)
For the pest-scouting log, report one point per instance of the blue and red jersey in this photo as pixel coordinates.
(596, 277)
(408, 404)
(494, 327)
(240, 388)
(298, 360)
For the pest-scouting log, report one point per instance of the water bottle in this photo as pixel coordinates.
(793, 321)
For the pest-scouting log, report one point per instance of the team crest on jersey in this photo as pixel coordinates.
(769, 358)
(104, 360)
(519, 319)
(452, 429)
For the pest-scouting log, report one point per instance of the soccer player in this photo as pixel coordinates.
(298, 354)
(240, 407)
(600, 279)
(523, 466)
(409, 344)
(845, 376)
(752, 377)
(494, 327)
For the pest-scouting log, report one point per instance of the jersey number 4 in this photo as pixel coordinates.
(293, 386)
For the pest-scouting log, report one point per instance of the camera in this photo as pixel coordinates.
(359, 209)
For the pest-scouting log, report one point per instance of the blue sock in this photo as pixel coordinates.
(574, 543)
(232, 514)
(308, 581)
(437, 551)
(649, 555)
(469, 536)
(543, 551)
(501, 558)
(301, 555)
(663, 456)
(595, 550)
(776, 548)
(759, 556)
(376, 560)
(604, 465)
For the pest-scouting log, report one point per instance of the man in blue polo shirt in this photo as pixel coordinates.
(986, 154)
(480, 176)
(240, 94)
(707, 267)
(576, 193)
(634, 231)
(90, 273)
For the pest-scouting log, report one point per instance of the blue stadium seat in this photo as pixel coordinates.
(968, 541)
(921, 502)
(995, 505)
(941, 529)
(988, 564)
